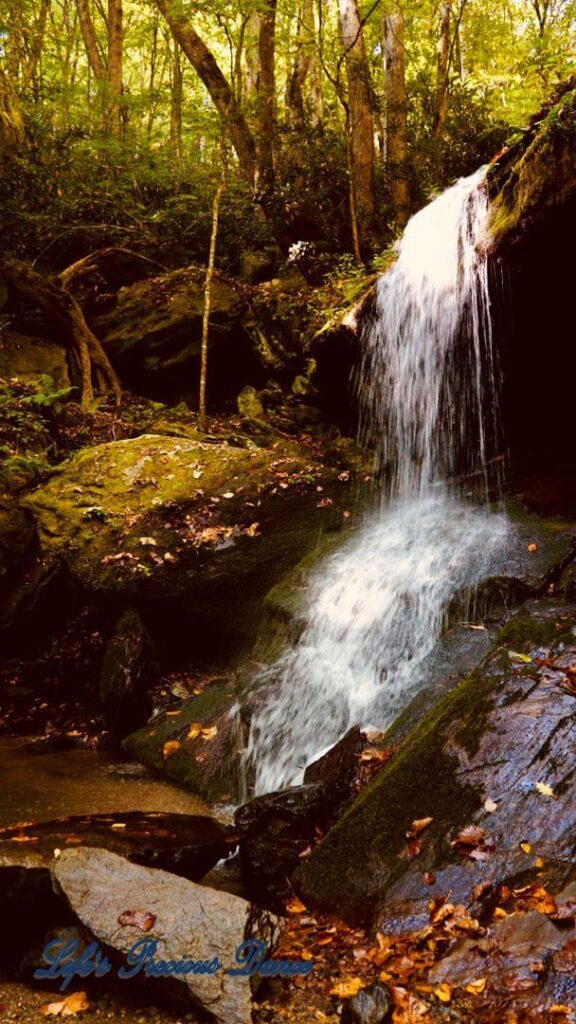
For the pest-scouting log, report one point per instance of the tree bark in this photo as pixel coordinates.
(115, 53)
(207, 302)
(303, 60)
(176, 95)
(90, 40)
(443, 69)
(360, 120)
(266, 101)
(205, 65)
(252, 58)
(396, 114)
(12, 131)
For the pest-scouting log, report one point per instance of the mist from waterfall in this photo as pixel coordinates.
(428, 394)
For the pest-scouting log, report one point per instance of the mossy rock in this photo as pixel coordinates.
(506, 728)
(207, 763)
(538, 174)
(16, 535)
(195, 532)
(31, 359)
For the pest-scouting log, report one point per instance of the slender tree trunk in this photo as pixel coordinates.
(205, 65)
(317, 73)
(176, 94)
(396, 124)
(115, 54)
(266, 101)
(302, 64)
(361, 121)
(31, 67)
(207, 300)
(443, 70)
(12, 131)
(95, 59)
(252, 58)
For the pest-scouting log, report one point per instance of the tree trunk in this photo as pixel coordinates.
(205, 65)
(252, 58)
(266, 101)
(302, 64)
(12, 130)
(443, 70)
(360, 120)
(115, 48)
(29, 76)
(176, 93)
(207, 302)
(95, 60)
(396, 125)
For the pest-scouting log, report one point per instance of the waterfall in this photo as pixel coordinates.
(428, 394)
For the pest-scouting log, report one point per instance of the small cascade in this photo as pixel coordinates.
(428, 393)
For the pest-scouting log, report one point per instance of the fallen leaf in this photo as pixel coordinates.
(348, 988)
(545, 789)
(68, 1007)
(490, 805)
(443, 992)
(170, 748)
(418, 826)
(476, 987)
(526, 847)
(141, 919)
(210, 732)
(429, 878)
(118, 825)
(295, 906)
(194, 731)
(532, 548)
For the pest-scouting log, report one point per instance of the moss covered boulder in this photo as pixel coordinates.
(537, 175)
(199, 745)
(481, 792)
(194, 532)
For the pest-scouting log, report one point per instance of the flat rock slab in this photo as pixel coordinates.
(186, 844)
(190, 922)
(497, 754)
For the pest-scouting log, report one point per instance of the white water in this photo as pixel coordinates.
(428, 392)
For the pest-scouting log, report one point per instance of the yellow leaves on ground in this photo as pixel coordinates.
(347, 989)
(170, 748)
(68, 1007)
(443, 992)
(477, 987)
(526, 847)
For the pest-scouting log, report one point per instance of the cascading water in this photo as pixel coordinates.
(428, 396)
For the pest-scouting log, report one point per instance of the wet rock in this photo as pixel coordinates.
(185, 844)
(373, 1005)
(190, 922)
(32, 358)
(250, 407)
(199, 745)
(500, 736)
(273, 831)
(128, 672)
(515, 950)
(338, 771)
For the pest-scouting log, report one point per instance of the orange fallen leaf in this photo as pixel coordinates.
(170, 748)
(295, 906)
(532, 548)
(144, 920)
(348, 988)
(68, 1007)
(194, 731)
(210, 733)
(418, 826)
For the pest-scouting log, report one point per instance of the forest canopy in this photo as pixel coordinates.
(331, 120)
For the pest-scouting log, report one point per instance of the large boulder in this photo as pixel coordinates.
(153, 335)
(128, 672)
(185, 922)
(33, 358)
(491, 766)
(187, 528)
